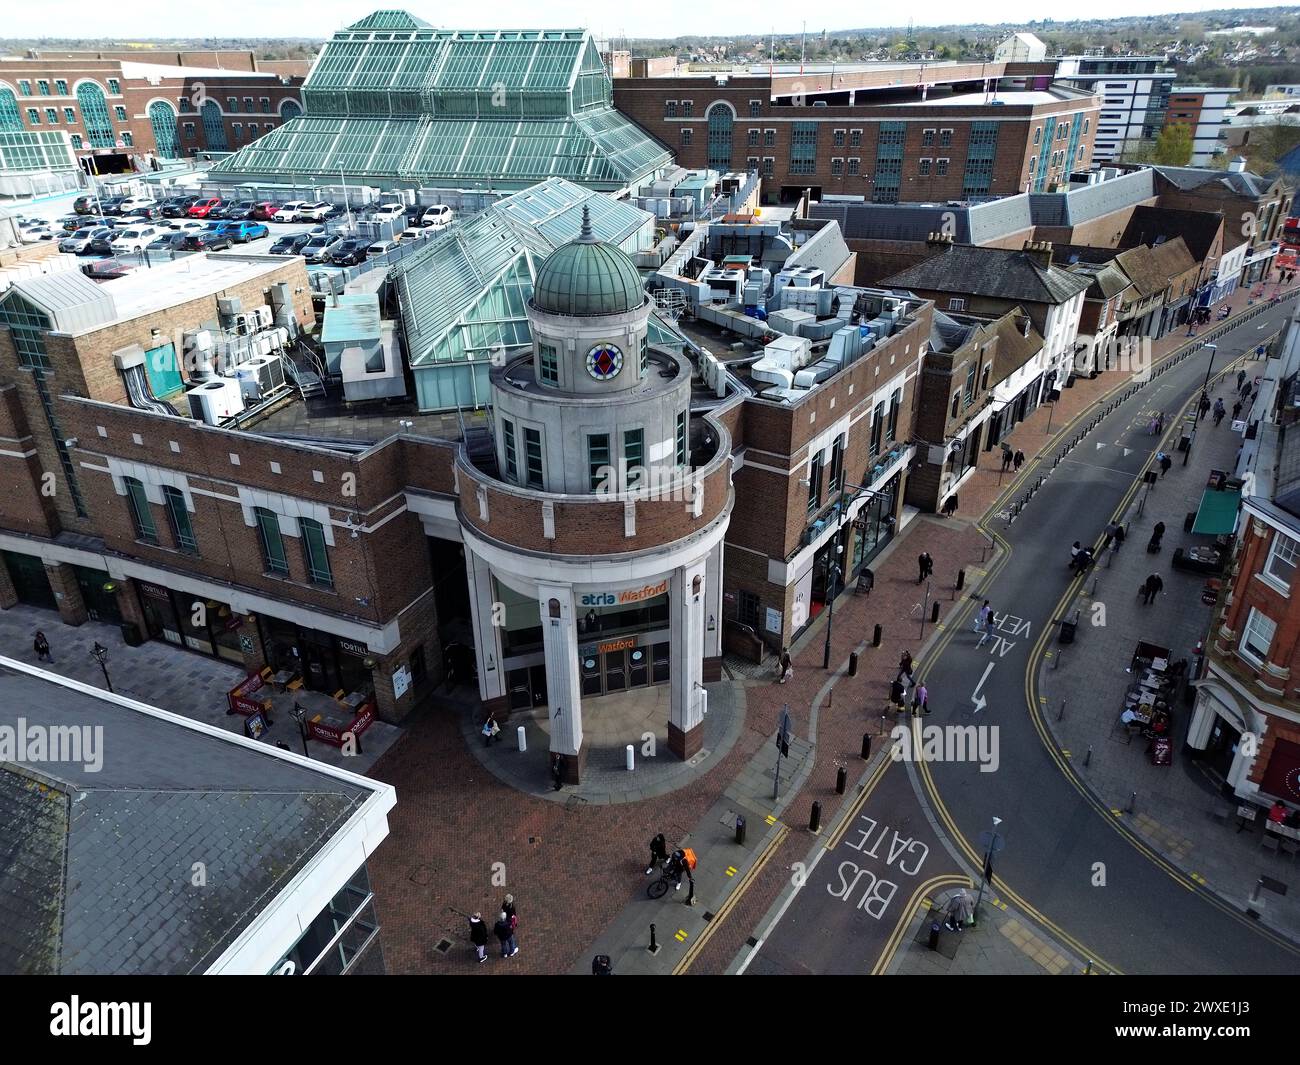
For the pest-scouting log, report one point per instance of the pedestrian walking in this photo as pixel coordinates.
(1152, 588)
(1204, 406)
(1007, 457)
(920, 700)
(658, 853)
(602, 966)
(950, 506)
(1165, 462)
(1241, 379)
(1019, 460)
(1236, 410)
(898, 693)
(984, 622)
(512, 914)
(1219, 411)
(924, 566)
(506, 936)
(866, 580)
(557, 771)
(491, 730)
(784, 667)
(905, 665)
(42, 648)
(478, 936)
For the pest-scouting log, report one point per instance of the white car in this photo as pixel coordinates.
(185, 225)
(387, 212)
(288, 212)
(438, 216)
(382, 247)
(134, 203)
(136, 238)
(35, 234)
(312, 212)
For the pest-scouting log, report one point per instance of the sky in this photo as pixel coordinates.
(132, 20)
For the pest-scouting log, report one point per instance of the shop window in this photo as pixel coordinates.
(179, 519)
(141, 517)
(1282, 557)
(1258, 637)
(512, 456)
(598, 460)
(549, 365)
(633, 456)
(273, 556)
(533, 457)
(315, 549)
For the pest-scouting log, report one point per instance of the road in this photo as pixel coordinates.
(1057, 840)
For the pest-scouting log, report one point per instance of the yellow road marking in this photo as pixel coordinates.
(909, 911)
(731, 870)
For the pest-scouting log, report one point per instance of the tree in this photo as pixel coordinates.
(1174, 146)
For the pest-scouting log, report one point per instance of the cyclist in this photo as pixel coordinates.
(677, 866)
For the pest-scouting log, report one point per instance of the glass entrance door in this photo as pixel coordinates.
(638, 668)
(615, 671)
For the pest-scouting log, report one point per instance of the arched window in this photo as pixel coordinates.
(162, 117)
(290, 110)
(720, 123)
(10, 120)
(214, 127)
(94, 114)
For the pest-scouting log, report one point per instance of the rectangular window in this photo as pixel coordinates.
(747, 609)
(128, 139)
(268, 530)
(1282, 557)
(751, 138)
(141, 517)
(984, 377)
(314, 548)
(769, 166)
(1038, 134)
(512, 456)
(533, 457)
(549, 363)
(941, 167)
(752, 162)
(686, 137)
(838, 139)
(1258, 637)
(25, 88)
(188, 127)
(69, 115)
(837, 466)
(598, 460)
(33, 117)
(971, 371)
(43, 87)
(248, 105)
(178, 517)
(945, 138)
(815, 484)
(803, 147)
(237, 130)
(683, 455)
(927, 138)
(924, 167)
(688, 106)
(645, 354)
(855, 138)
(895, 405)
(769, 138)
(76, 141)
(120, 112)
(755, 108)
(266, 105)
(52, 115)
(855, 165)
(956, 304)
(956, 404)
(232, 105)
(837, 166)
(115, 86)
(61, 87)
(877, 429)
(633, 456)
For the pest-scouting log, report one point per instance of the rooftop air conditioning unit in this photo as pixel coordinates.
(260, 377)
(264, 317)
(216, 400)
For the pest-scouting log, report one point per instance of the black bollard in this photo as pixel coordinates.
(934, 614)
(740, 830)
(853, 663)
(933, 942)
(961, 579)
(876, 635)
(866, 746)
(815, 818)
(654, 947)
(841, 780)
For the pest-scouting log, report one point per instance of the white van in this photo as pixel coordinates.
(438, 216)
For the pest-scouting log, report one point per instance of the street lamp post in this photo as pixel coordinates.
(1209, 367)
(988, 857)
(347, 207)
(100, 653)
(300, 716)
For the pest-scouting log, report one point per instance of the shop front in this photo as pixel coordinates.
(31, 584)
(875, 525)
(204, 625)
(99, 594)
(325, 662)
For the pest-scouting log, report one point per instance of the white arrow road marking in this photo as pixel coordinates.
(1100, 446)
(979, 700)
(1127, 452)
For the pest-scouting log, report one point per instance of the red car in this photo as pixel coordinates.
(203, 207)
(265, 210)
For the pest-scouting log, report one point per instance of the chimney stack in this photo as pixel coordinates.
(1237, 166)
(933, 239)
(1040, 251)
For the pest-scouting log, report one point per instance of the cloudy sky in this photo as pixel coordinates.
(132, 20)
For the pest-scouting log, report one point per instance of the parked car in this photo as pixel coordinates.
(102, 243)
(133, 238)
(84, 204)
(106, 270)
(291, 245)
(203, 207)
(178, 205)
(438, 216)
(387, 212)
(70, 223)
(112, 205)
(239, 212)
(243, 232)
(186, 225)
(78, 243)
(152, 212)
(265, 210)
(336, 210)
(36, 234)
(349, 253)
(131, 204)
(320, 248)
(208, 240)
(312, 212)
(169, 241)
(288, 212)
(382, 247)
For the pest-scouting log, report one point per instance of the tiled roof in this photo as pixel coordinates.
(999, 273)
(1151, 225)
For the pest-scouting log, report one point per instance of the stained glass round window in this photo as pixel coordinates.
(604, 361)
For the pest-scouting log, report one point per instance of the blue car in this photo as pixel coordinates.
(242, 232)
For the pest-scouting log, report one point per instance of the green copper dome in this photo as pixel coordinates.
(587, 277)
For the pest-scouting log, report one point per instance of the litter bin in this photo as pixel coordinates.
(1069, 624)
(1189, 521)
(1184, 442)
(131, 634)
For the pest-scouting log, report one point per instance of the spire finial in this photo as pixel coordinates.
(586, 235)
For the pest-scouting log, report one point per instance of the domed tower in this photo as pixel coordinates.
(595, 552)
(605, 412)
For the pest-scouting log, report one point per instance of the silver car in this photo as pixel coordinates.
(79, 242)
(320, 248)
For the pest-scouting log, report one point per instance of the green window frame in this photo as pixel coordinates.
(272, 540)
(52, 115)
(94, 115)
(548, 364)
(597, 458)
(682, 455)
(533, 458)
(25, 88)
(33, 116)
(214, 127)
(141, 516)
(128, 139)
(266, 105)
(11, 119)
(634, 456)
(120, 112)
(512, 455)
(179, 519)
(316, 551)
(69, 115)
(77, 142)
(43, 87)
(61, 87)
(115, 86)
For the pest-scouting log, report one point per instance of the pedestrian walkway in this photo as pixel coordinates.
(183, 682)
(1170, 807)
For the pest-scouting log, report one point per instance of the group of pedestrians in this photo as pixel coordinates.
(507, 923)
(1012, 459)
(904, 679)
(681, 863)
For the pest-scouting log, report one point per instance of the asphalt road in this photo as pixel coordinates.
(1142, 920)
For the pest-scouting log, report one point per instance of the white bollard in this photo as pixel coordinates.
(523, 740)
(704, 702)
(631, 758)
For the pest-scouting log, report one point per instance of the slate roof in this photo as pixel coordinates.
(1151, 225)
(1106, 279)
(1287, 493)
(1243, 183)
(97, 871)
(999, 273)
(1014, 347)
(947, 334)
(1152, 269)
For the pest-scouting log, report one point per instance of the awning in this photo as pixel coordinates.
(1217, 515)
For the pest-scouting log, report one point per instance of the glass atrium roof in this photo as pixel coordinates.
(391, 100)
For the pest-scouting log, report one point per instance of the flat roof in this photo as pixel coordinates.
(181, 280)
(1028, 98)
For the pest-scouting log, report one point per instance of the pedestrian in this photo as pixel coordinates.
(491, 730)
(602, 966)
(1219, 411)
(866, 580)
(1075, 548)
(1236, 410)
(897, 693)
(1007, 457)
(905, 666)
(1241, 379)
(557, 771)
(1160, 423)
(505, 934)
(784, 667)
(512, 915)
(658, 853)
(1152, 588)
(950, 506)
(1165, 463)
(984, 622)
(1019, 460)
(924, 566)
(42, 647)
(478, 936)
(920, 700)
(1204, 406)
